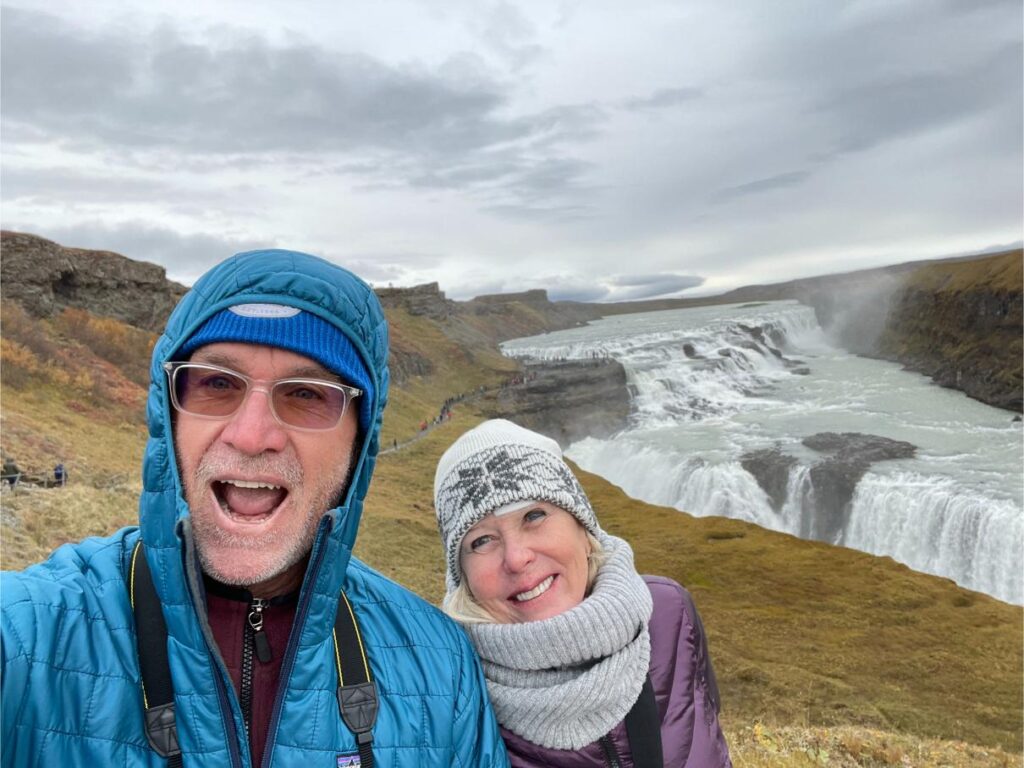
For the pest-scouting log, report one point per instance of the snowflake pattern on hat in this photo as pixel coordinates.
(501, 475)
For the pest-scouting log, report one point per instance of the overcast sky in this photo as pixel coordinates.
(602, 150)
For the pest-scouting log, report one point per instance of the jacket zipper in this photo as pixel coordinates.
(305, 596)
(254, 640)
(611, 755)
(194, 580)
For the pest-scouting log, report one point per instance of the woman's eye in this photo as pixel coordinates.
(534, 515)
(480, 542)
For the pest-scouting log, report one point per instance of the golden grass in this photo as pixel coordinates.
(822, 648)
(1001, 272)
(758, 746)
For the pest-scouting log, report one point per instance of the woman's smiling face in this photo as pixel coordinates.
(526, 565)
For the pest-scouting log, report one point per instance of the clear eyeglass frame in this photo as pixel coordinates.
(267, 386)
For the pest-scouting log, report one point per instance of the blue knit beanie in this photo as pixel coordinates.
(276, 325)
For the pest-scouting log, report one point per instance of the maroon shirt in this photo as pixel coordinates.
(229, 610)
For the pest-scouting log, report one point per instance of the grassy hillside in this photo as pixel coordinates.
(825, 656)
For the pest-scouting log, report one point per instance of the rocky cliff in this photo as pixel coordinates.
(567, 401)
(427, 300)
(958, 321)
(45, 278)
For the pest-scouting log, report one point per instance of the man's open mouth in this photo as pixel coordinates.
(248, 501)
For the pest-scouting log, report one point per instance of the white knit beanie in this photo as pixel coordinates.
(491, 468)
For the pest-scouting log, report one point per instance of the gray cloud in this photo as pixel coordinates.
(43, 184)
(509, 33)
(664, 98)
(388, 268)
(779, 181)
(635, 287)
(159, 99)
(591, 293)
(228, 96)
(813, 130)
(880, 110)
(185, 257)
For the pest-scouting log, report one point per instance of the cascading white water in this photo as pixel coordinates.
(710, 385)
(940, 528)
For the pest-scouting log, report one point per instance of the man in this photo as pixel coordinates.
(11, 471)
(265, 407)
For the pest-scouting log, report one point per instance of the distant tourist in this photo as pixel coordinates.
(12, 474)
(60, 475)
(581, 653)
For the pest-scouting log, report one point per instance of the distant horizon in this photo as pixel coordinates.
(987, 251)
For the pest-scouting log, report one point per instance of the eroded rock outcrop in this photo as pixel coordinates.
(45, 278)
(959, 321)
(825, 504)
(849, 456)
(567, 401)
(770, 467)
(427, 300)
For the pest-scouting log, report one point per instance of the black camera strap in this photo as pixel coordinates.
(643, 727)
(357, 692)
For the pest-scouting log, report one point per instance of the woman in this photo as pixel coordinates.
(573, 641)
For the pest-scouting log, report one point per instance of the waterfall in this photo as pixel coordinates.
(934, 526)
(711, 384)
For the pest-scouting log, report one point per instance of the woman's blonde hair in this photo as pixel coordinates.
(463, 607)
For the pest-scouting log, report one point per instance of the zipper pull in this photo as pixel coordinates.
(259, 637)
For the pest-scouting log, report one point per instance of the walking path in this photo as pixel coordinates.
(444, 415)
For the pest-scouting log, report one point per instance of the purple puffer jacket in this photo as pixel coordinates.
(684, 688)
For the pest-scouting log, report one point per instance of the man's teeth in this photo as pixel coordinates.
(537, 591)
(250, 484)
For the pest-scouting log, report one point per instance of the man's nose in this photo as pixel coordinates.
(254, 429)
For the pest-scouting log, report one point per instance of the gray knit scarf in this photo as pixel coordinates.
(566, 681)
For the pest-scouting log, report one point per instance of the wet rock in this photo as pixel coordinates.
(691, 352)
(751, 345)
(855, 445)
(834, 480)
(770, 467)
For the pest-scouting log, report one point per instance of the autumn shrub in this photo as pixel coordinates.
(16, 325)
(123, 345)
(17, 364)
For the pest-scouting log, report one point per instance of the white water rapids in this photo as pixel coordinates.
(711, 384)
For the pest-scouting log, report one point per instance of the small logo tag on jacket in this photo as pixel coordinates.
(349, 761)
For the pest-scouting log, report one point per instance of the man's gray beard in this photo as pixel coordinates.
(326, 491)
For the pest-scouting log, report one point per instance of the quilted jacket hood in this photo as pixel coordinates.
(276, 277)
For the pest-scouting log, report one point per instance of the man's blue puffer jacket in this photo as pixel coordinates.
(71, 683)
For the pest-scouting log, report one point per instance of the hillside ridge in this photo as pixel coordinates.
(958, 320)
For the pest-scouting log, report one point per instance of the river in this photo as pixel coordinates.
(712, 385)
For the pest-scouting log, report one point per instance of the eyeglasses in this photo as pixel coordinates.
(213, 392)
